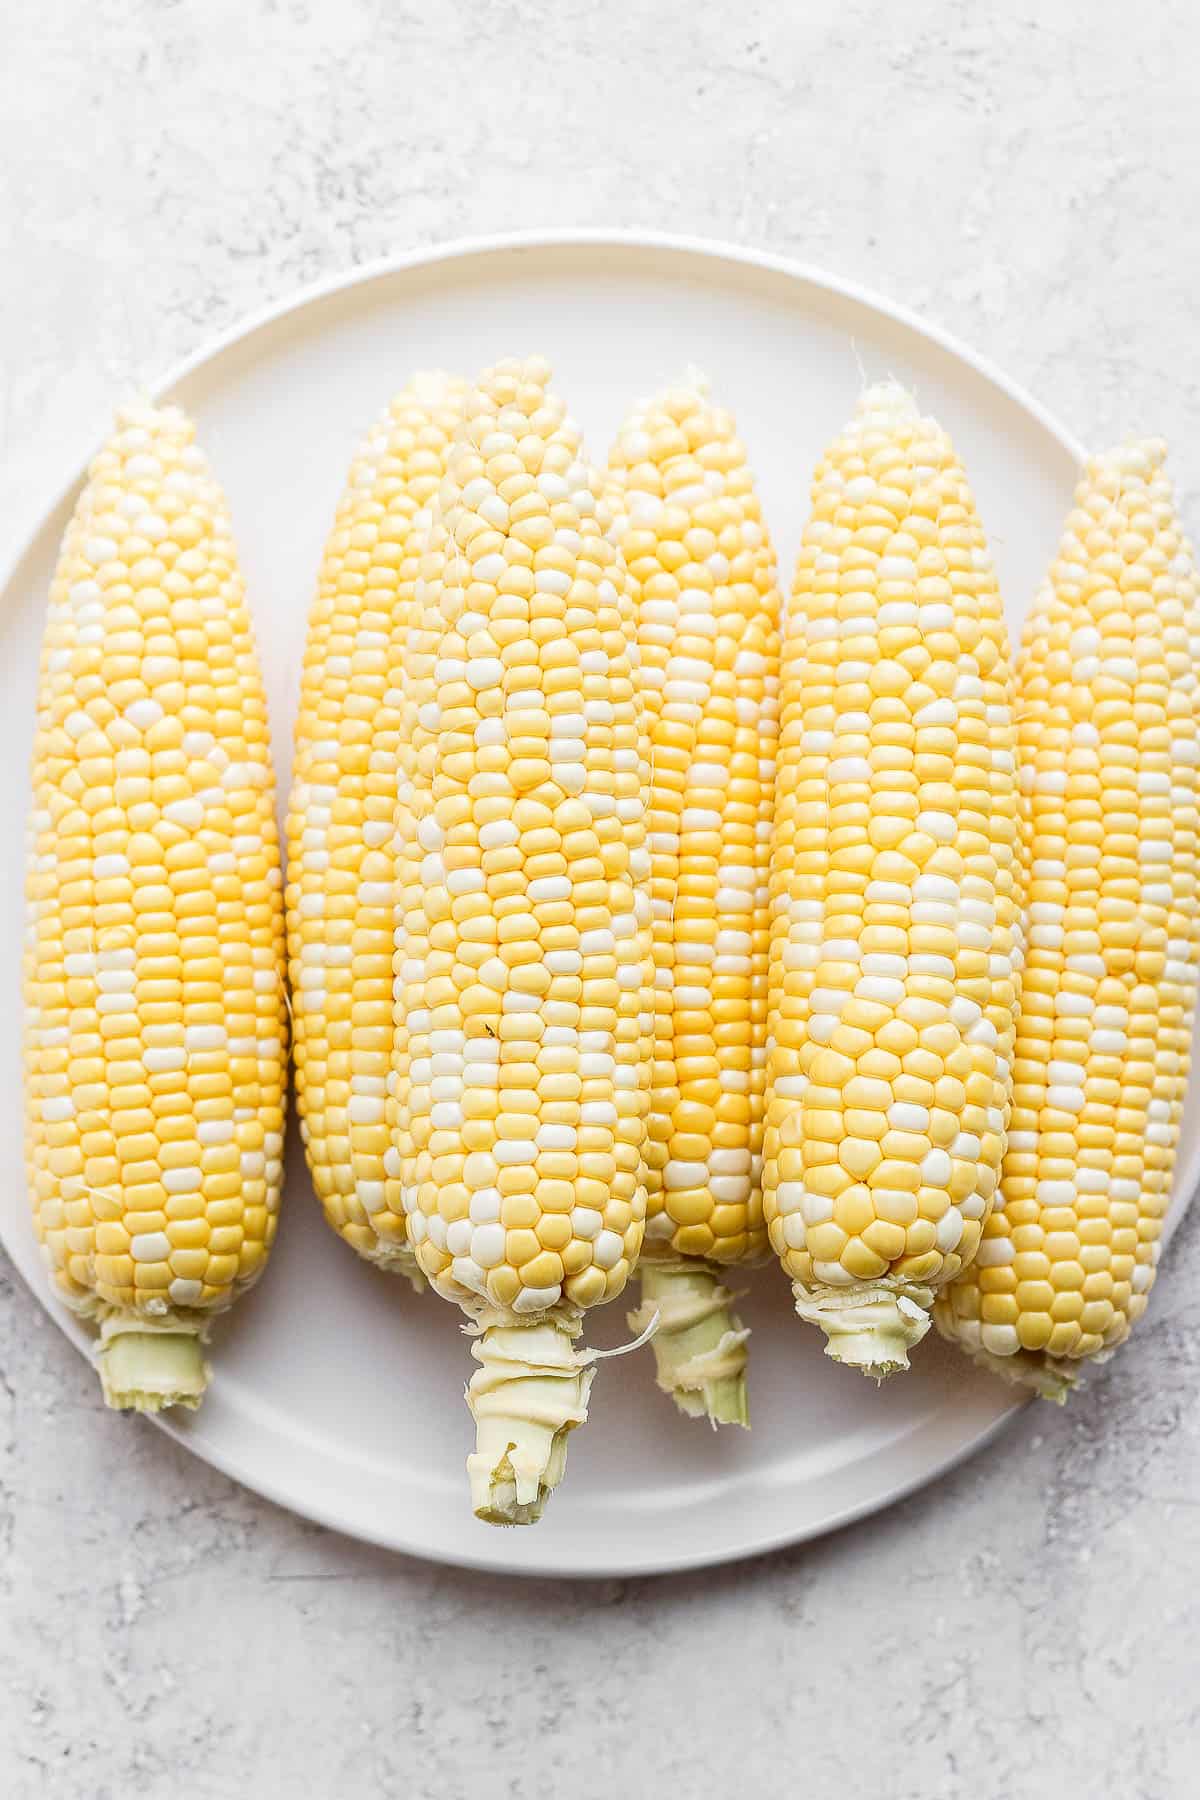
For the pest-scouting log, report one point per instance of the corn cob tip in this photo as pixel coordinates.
(434, 386)
(700, 1343)
(530, 1390)
(141, 413)
(1141, 458)
(145, 1367)
(511, 381)
(872, 1328)
(887, 402)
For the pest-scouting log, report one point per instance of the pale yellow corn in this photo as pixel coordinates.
(154, 988)
(690, 527)
(522, 959)
(341, 863)
(895, 947)
(1109, 748)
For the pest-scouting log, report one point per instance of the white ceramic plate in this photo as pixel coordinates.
(337, 1392)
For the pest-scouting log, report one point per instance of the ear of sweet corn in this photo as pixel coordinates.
(895, 946)
(522, 958)
(341, 864)
(1109, 753)
(690, 527)
(155, 1017)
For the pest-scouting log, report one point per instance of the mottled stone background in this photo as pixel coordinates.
(1027, 175)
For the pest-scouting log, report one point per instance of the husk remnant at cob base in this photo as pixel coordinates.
(870, 1328)
(398, 1259)
(148, 1364)
(700, 1344)
(1049, 1377)
(530, 1390)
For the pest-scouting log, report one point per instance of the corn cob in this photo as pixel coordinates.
(154, 992)
(690, 526)
(522, 964)
(1109, 746)
(341, 865)
(895, 943)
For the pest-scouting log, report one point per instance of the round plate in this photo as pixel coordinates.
(337, 1392)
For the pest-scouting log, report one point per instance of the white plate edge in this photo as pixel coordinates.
(537, 240)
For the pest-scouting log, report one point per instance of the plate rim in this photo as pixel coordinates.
(533, 241)
(628, 1567)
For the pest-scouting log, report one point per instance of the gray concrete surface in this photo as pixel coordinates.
(1028, 176)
